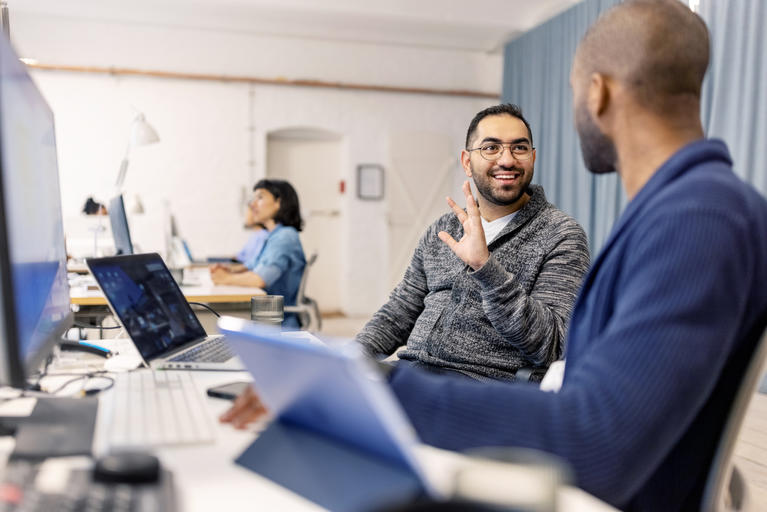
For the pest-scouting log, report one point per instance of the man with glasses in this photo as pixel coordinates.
(500, 311)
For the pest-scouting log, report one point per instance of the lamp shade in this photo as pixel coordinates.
(142, 132)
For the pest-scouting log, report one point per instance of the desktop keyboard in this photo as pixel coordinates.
(157, 408)
(211, 351)
(21, 490)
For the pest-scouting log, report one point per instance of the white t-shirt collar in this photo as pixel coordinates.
(494, 228)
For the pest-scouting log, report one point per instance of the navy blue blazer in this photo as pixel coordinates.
(663, 328)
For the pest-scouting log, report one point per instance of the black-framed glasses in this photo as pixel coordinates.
(493, 150)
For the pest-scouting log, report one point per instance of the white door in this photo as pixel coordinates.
(311, 161)
(425, 168)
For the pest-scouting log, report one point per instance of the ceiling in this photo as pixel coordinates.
(477, 25)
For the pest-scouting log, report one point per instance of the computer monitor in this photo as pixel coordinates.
(34, 293)
(120, 229)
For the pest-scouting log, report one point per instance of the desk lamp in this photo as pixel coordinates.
(141, 134)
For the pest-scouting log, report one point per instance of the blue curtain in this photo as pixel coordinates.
(536, 77)
(734, 108)
(735, 91)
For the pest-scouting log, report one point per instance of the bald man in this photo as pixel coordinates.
(671, 310)
(669, 314)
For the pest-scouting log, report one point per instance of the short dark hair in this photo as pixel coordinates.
(289, 213)
(496, 110)
(92, 207)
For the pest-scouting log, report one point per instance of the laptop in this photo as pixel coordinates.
(332, 389)
(146, 299)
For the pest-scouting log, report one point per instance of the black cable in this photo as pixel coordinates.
(100, 374)
(206, 307)
(87, 392)
(86, 326)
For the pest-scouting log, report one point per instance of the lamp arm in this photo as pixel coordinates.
(121, 174)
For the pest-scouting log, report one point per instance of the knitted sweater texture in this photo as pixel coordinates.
(510, 313)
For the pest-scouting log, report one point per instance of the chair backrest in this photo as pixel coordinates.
(301, 296)
(719, 476)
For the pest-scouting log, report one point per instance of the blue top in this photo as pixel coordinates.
(281, 265)
(253, 246)
(664, 326)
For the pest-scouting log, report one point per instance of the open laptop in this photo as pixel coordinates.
(331, 389)
(146, 299)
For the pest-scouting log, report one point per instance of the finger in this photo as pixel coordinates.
(449, 240)
(467, 189)
(457, 210)
(471, 205)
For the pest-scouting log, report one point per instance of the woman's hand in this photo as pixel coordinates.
(246, 409)
(219, 274)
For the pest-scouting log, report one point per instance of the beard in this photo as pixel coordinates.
(505, 194)
(598, 151)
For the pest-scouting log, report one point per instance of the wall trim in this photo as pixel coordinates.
(264, 81)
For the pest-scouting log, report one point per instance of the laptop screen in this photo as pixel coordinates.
(148, 302)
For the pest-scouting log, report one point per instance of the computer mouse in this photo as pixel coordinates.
(130, 467)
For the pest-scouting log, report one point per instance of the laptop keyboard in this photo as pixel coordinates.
(211, 351)
(157, 408)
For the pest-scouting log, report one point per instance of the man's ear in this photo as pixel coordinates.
(599, 96)
(466, 162)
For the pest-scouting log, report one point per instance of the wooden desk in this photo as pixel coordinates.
(199, 289)
(91, 307)
(210, 294)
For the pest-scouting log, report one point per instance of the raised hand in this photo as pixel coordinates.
(472, 248)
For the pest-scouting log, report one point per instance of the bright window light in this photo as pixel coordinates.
(694, 5)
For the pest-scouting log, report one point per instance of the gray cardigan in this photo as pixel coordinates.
(511, 313)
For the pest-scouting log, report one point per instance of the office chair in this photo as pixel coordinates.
(306, 308)
(725, 487)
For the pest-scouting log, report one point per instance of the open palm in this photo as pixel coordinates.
(472, 248)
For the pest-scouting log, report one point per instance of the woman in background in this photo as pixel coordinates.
(279, 265)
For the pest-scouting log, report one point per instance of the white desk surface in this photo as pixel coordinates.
(207, 478)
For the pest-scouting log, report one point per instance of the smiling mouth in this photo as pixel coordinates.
(507, 176)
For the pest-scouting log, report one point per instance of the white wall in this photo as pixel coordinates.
(213, 134)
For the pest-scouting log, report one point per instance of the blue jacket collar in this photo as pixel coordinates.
(680, 162)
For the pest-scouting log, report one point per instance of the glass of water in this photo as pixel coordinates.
(267, 309)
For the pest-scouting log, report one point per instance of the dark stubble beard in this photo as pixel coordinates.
(598, 151)
(486, 190)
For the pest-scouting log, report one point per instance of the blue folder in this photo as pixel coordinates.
(333, 475)
(333, 403)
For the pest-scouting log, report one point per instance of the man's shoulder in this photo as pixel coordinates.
(711, 187)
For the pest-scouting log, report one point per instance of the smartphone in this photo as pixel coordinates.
(228, 391)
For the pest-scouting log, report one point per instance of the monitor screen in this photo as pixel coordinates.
(120, 230)
(33, 272)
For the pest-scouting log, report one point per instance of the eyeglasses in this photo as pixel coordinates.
(494, 150)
